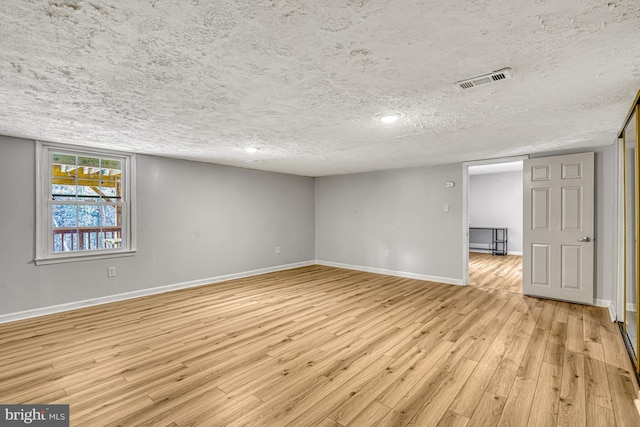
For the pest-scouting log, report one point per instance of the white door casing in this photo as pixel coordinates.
(558, 227)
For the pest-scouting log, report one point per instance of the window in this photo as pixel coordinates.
(84, 203)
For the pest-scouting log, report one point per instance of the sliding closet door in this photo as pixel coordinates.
(631, 237)
(631, 156)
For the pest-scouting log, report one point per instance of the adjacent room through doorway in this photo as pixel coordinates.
(495, 220)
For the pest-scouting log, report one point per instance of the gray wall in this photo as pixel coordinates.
(606, 217)
(495, 200)
(195, 221)
(236, 217)
(360, 216)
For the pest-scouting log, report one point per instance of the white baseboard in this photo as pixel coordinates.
(37, 312)
(631, 306)
(28, 314)
(395, 273)
(606, 303)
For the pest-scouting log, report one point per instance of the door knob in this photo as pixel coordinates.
(584, 239)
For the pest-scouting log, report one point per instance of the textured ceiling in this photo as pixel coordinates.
(303, 81)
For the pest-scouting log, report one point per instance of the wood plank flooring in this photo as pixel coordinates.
(320, 346)
(495, 272)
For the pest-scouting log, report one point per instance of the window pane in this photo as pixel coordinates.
(113, 165)
(88, 216)
(63, 192)
(65, 216)
(65, 240)
(110, 187)
(63, 159)
(70, 242)
(89, 189)
(57, 243)
(111, 216)
(111, 178)
(88, 163)
(63, 175)
(108, 192)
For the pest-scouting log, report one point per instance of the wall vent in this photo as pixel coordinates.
(495, 76)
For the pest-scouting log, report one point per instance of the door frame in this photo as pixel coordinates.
(465, 205)
(618, 293)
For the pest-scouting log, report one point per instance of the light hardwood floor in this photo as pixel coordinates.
(319, 346)
(495, 272)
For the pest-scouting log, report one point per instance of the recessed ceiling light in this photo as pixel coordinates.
(251, 150)
(390, 118)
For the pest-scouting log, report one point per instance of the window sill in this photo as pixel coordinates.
(83, 257)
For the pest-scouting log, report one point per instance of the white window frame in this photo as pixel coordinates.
(44, 226)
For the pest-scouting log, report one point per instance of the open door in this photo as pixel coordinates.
(558, 231)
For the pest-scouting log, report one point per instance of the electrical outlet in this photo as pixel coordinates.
(277, 249)
(386, 253)
(111, 272)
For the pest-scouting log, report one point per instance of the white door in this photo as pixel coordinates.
(558, 228)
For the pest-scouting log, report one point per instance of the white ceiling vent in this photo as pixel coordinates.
(496, 76)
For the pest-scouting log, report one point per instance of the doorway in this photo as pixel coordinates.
(493, 218)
